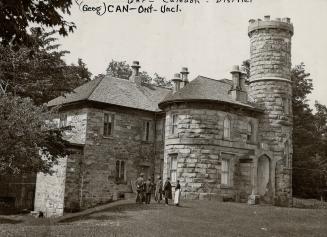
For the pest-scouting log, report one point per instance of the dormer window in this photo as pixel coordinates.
(227, 128)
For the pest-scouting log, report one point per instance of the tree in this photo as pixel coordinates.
(28, 143)
(17, 15)
(121, 69)
(39, 71)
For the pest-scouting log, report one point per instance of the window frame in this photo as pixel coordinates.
(172, 159)
(108, 124)
(225, 172)
(120, 173)
(228, 129)
(286, 107)
(174, 123)
(146, 130)
(250, 132)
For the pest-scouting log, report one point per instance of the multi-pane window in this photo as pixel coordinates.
(227, 128)
(146, 130)
(108, 124)
(120, 170)
(174, 124)
(225, 172)
(173, 167)
(63, 120)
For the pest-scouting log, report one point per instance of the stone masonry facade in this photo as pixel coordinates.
(222, 139)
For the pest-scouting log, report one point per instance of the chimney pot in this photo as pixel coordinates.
(267, 18)
(135, 72)
(177, 82)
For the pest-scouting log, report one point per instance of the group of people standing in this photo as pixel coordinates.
(145, 188)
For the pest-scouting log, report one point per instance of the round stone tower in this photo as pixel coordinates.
(270, 88)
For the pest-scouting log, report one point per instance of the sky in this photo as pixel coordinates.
(208, 38)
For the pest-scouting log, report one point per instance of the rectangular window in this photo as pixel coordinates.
(63, 120)
(108, 124)
(146, 130)
(225, 172)
(285, 105)
(173, 167)
(120, 170)
(174, 124)
(163, 129)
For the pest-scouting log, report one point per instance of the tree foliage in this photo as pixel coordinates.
(39, 72)
(121, 69)
(28, 142)
(309, 143)
(17, 15)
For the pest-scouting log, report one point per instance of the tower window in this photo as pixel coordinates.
(227, 128)
(285, 106)
(174, 124)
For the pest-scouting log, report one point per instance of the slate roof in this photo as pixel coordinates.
(116, 91)
(125, 93)
(207, 89)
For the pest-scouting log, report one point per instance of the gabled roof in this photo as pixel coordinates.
(116, 91)
(205, 89)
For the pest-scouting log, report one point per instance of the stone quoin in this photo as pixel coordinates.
(222, 139)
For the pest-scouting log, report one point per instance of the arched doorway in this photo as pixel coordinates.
(264, 178)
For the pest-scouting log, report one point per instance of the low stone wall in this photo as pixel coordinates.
(50, 191)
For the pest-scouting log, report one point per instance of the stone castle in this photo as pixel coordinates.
(223, 139)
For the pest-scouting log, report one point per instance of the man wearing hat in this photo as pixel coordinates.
(140, 188)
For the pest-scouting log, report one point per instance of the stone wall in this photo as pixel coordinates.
(200, 148)
(99, 184)
(270, 88)
(73, 180)
(76, 118)
(50, 190)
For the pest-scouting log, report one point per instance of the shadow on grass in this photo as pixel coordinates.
(114, 213)
(9, 221)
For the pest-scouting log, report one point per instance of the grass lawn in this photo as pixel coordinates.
(193, 218)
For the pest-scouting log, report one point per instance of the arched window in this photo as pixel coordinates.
(227, 127)
(250, 132)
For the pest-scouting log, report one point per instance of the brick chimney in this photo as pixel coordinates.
(135, 72)
(238, 90)
(177, 82)
(184, 74)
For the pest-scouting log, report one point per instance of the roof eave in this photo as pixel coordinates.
(248, 107)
